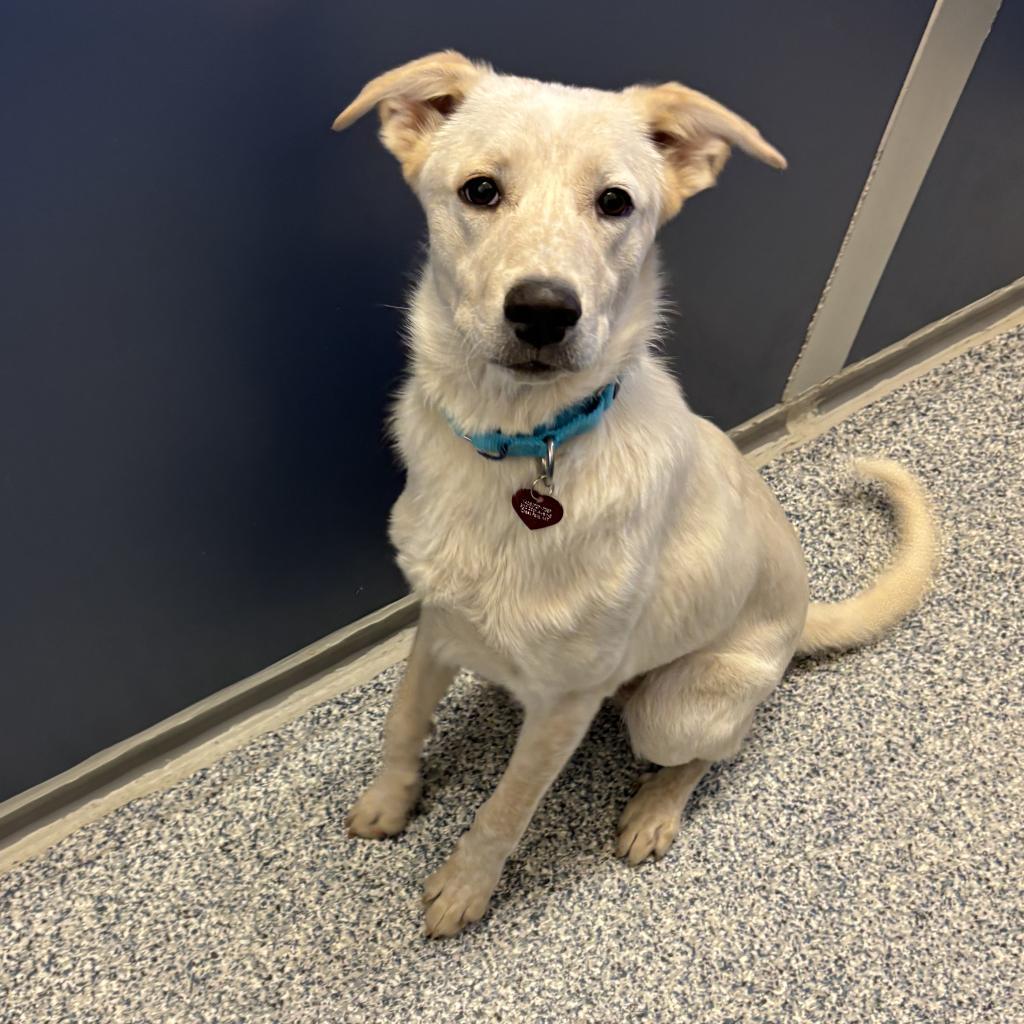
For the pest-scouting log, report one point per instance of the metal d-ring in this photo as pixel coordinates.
(547, 462)
(547, 470)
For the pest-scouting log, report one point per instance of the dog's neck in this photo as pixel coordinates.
(482, 399)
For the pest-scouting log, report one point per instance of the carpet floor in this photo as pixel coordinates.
(860, 860)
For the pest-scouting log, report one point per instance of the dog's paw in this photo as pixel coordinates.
(649, 823)
(458, 893)
(383, 809)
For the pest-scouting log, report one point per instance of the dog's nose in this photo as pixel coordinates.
(542, 311)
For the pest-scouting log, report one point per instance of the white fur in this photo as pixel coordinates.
(674, 572)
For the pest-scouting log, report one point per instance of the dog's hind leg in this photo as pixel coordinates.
(385, 805)
(650, 821)
(686, 714)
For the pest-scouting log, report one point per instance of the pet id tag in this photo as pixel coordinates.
(536, 510)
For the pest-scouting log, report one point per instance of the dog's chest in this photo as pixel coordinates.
(531, 599)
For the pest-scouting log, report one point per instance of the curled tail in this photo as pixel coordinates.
(899, 589)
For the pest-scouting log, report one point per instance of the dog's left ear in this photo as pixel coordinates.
(694, 134)
(413, 100)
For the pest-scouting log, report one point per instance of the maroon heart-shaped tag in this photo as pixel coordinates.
(536, 510)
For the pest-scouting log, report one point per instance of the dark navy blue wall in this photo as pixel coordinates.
(198, 285)
(964, 237)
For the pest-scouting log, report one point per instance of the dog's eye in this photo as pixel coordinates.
(614, 202)
(480, 192)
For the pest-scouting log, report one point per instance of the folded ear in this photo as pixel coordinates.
(413, 100)
(695, 135)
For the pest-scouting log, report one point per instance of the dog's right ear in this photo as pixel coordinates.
(413, 100)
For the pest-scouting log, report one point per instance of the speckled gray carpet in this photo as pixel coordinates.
(861, 860)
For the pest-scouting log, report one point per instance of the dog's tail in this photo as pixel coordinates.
(899, 589)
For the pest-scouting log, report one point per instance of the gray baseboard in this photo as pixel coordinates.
(126, 757)
(843, 388)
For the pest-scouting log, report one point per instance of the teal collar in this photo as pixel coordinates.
(576, 419)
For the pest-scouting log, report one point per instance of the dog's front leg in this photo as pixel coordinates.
(385, 805)
(460, 890)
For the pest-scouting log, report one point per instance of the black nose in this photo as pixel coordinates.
(542, 311)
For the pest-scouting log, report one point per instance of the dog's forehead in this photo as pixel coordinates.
(543, 97)
(506, 111)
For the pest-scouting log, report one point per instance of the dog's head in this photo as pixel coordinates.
(543, 201)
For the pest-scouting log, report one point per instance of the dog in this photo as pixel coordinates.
(573, 530)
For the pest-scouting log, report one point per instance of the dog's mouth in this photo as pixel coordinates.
(532, 367)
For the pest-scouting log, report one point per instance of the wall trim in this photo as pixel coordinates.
(761, 439)
(799, 419)
(124, 758)
(940, 69)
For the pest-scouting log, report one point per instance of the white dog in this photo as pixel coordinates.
(657, 566)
